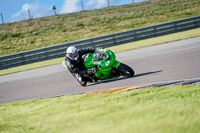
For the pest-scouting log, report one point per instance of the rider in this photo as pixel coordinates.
(74, 62)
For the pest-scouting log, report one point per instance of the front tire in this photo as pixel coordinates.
(125, 70)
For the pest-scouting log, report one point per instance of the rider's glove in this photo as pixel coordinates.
(92, 70)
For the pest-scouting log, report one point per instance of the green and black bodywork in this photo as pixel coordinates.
(106, 64)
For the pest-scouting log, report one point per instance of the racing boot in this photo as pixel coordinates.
(82, 81)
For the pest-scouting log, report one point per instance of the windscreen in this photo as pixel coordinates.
(99, 55)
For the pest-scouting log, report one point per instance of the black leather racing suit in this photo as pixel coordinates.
(77, 68)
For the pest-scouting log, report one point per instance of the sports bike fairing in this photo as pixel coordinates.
(105, 60)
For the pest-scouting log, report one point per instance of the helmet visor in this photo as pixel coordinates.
(74, 55)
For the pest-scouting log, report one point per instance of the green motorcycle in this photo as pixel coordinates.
(107, 67)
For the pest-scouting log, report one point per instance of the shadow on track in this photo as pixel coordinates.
(147, 73)
(122, 78)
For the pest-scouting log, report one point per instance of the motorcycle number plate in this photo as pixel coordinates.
(107, 63)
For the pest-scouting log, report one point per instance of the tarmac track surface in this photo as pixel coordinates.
(166, 62)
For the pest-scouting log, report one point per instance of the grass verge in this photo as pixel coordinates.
(119, 48)
(51, 30)
(169, 109)
(157, 40)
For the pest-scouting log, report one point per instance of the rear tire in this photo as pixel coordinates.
(125, 70)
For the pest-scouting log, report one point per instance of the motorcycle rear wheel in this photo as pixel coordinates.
(125, 70)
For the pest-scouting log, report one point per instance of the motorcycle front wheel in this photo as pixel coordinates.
(125, 70)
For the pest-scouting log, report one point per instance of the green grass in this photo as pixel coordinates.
(47, 31)
(157, 40)
(171, 109)
(119, 48)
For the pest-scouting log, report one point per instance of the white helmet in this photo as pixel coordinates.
(72, 53)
